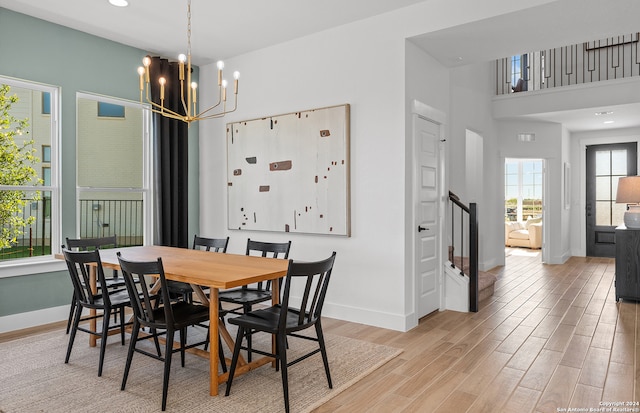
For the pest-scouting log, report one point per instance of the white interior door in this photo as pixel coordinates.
(427, 229)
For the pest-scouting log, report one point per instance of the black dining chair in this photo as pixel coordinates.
(169, 318)
(282, 320)
(245, 297)
(184, 290)
(89, 244)
(105, 300)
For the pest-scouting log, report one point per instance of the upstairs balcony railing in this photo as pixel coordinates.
(607, 59)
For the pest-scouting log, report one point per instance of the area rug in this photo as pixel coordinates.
(34, 378)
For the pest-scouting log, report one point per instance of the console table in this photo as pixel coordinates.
(627, 263)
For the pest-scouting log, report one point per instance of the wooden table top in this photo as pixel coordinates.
(211, 269)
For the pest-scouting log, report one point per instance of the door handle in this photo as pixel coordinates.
(421, 228)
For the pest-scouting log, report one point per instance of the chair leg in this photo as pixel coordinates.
(121, 325)
(223, 362)
(132, 346)
(103, 338)
(247, 309)
(167, 368)
(72, 310)
(154, 332)
(281, 350)
(323, 351)
(183, 344)
(234, 359)
(74, 329)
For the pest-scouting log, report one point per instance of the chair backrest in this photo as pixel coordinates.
(217, 244)
(134, 273)
(87, 244)
(270, 250)
(314, 277)
(79, 263)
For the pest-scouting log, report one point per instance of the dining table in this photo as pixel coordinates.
(215, 271)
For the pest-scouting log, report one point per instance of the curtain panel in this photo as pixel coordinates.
(171, 159)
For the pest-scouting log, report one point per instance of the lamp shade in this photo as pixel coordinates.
(629, 193)
(628, 190)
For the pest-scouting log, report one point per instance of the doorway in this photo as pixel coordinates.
(605, 164)
(524, 203)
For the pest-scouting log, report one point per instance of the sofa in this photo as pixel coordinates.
(523, 234)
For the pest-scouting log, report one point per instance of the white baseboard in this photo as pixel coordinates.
(33, 318)
(374, 318)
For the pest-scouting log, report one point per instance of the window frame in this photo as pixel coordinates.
(43, 263)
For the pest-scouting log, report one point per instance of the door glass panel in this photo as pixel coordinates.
(603, 188)
(619, 162)
(603, 163)
(603, 213)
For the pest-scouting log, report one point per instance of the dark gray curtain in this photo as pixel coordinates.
(170, 146)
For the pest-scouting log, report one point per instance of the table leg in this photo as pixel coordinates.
(92, 311)
(213, 342)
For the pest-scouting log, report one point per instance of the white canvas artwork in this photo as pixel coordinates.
(290, 172)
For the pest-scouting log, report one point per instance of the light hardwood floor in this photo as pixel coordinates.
(550, 338)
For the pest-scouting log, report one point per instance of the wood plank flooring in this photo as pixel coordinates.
(551, 338)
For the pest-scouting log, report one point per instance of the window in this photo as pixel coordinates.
(37, 200)
(113, 171)
(46, 103)
(516, 69)
(523, 189)
(46, 153)
(110, 110)
(519, 70)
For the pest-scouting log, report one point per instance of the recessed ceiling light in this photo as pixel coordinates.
(119, 3)
(606, 112)
(608, 121)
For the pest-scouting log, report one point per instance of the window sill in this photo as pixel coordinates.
(32, 266)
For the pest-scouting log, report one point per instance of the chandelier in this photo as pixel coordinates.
(189, 103)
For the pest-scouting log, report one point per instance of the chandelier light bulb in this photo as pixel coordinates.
(146, 61)
(182, 58)
(220, 64)
(194, 85)
(236, 75)
(140, 70)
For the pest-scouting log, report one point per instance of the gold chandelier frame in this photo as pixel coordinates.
(190, 103)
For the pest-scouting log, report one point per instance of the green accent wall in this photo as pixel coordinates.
(35, 50)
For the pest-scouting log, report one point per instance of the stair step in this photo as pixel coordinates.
(486, 285)
(486, 281)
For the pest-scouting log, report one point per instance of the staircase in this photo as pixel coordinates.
(465, 285)
(486, 281)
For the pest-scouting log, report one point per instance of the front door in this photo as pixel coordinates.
(605, 165)
(427, 242)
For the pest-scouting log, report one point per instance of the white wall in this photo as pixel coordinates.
(369, 278)
(471, 93)
(363, 64)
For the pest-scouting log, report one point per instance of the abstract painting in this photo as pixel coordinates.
(290, 172)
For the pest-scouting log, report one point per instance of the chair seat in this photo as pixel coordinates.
(244, 296)
(184, 314)
(117, 298)
(267, 320)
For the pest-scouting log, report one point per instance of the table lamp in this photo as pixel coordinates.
(629, 193)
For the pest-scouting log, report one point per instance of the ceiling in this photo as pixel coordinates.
(223, 29)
